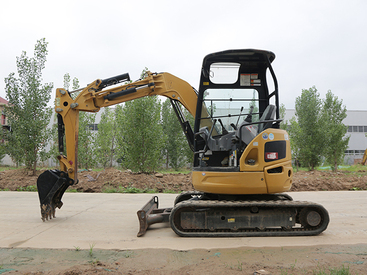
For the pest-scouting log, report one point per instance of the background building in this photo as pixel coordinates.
(4, 120)
(5, 126)
(357, 130)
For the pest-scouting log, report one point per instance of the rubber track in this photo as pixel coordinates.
(295, 231)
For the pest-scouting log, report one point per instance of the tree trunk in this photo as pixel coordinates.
(335, 165)
(112, 150)
(34, 167)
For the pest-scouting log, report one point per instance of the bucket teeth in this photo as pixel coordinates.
(48, 210)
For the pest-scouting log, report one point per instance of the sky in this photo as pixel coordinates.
(316, 43)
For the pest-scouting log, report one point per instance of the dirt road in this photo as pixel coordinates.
(244, 260)
(97, 233)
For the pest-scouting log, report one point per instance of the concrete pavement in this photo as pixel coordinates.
(109, 221)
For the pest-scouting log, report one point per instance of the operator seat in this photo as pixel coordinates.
(268, 114)
(248, 131)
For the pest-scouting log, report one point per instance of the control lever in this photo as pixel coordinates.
(238, 118)
(249, 116)
(224, 130)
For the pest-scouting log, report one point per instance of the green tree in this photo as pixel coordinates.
(283, 124)
(120, 141)
(27, 112)
(309, 138)
(105, 143)
(67, 80)
(189, 154)
(141, 128)
(2, 147)
(86, 140)
(293, 131)
(333, 114)
(175, 147)
(12, 146)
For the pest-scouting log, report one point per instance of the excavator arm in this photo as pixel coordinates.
(53, 183)
(94, 97)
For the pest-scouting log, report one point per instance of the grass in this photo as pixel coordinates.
(319, 271)
(172, 171)
(73, 190)
(31, 188)
(133, 190)
(354, 168)
(351, 168)
(91, 246)
(6, 168)
(237, 267)
(128, 189)
(333, 271)
(167, 191)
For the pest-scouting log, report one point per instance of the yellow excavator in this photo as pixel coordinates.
(242, 159)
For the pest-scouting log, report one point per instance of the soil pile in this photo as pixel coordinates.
(114, 180)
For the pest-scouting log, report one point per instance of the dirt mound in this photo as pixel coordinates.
(108, 180)
(329, 181)
(114, 180)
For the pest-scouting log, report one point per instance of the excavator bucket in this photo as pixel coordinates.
(51, 186)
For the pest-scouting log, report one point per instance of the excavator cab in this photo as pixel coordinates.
(237, 126)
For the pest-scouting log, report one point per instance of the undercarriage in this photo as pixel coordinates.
(197, 214)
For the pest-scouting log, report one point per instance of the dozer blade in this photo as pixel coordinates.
(150, 214)
(51, 186)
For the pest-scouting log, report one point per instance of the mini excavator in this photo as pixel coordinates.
(242, 159)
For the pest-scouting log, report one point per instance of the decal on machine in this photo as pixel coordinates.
(250, 79)
(271, 155)
(265, 136)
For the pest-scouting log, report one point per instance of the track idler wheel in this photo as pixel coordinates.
(51, 186)
(310, 218)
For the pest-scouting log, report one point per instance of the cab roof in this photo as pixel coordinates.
(251, 56)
